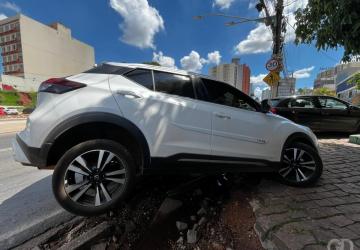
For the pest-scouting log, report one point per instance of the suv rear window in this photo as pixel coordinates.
(108, 69)
(174, 84)
(142, 77)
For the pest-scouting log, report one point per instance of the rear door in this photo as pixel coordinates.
(306, 111)
(163, 106)
(336, 115)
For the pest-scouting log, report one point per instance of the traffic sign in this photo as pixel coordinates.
(272, 78)
(272, 65)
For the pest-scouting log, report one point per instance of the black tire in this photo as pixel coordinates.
(121, 161)
(300, 172)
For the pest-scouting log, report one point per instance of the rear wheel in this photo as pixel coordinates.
(301, 165)
(93, 176)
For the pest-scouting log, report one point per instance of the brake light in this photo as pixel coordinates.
(273, 110)
(59, 85)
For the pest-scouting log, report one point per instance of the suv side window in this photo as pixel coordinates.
(302, 102)
(330, 103)
(174, 84)
(224, 94)
(142, 76)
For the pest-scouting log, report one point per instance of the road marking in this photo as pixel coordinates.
(5, 149)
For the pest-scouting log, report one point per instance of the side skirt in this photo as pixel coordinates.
(198, 164)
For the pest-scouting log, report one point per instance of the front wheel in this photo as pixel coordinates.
(301, 165)
(93, 176)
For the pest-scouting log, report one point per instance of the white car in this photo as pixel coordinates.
(101, 129)
(11, 111)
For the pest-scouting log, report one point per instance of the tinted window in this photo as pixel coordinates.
(224, 94)
(141, 76)
(108, 69)
(173, 84)
(331, 103)
(301, 103)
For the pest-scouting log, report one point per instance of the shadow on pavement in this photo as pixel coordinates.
(29, 212)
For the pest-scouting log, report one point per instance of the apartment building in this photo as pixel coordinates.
(35, 51)
(325, 78)
(234, 73)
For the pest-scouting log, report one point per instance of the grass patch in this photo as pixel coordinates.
(9, 98)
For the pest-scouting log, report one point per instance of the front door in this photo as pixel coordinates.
(335, 115)
(238, 130)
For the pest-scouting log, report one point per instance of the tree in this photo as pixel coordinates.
(331, 23)
(324, 91)
(356, 80)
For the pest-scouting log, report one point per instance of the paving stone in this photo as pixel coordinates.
(355, 228)
(345, 233)
(341, 221)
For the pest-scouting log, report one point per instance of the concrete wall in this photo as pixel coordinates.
(50, 52)
(19, 83)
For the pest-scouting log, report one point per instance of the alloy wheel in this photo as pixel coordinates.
(298, 165)
(94, 177)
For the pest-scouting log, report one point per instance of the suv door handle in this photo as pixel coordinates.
(128, 94)
(223, 116)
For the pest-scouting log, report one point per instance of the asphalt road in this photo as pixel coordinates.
(27, 205)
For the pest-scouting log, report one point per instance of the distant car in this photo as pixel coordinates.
(320, 113)
(2, 112)
(11, 111)
(27, 110)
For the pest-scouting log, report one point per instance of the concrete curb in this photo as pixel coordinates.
(88, 238)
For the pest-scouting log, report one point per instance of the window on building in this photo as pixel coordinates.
(141, 76)
(224, 94)
(173, 84)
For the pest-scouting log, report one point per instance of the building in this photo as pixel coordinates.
(35, 51)
(343, 73)
(234, 73)
(325, 78)
(266, 94)
(286, 87)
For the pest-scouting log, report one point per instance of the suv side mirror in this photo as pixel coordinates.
(265, 107)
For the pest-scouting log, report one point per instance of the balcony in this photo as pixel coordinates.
(16, 40)
(12, 62)
(16, 29)
(11, 52)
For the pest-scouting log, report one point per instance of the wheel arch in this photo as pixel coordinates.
(299, 137)
(97, 125)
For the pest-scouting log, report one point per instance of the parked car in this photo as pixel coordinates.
(27, 111)
(103, 128)
(2, 111)
(320, 113)
(11, 111)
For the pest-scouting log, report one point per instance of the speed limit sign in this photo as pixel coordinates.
(272, 65)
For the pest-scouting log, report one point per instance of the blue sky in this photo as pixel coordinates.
(163, 30)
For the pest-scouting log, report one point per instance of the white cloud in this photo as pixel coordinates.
(259, 39)
(165, 61)
(2, 16)
(11, 6)
(303, 73)
(194, 62)
(214, 57)
(257, 79)
(223, 4)
(141, 22)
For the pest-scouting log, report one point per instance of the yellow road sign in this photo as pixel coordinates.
(272, 78)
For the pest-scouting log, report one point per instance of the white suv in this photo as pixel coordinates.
(102, 128)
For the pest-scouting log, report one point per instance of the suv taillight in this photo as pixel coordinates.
(59, 85)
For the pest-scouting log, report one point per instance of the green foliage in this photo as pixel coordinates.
(331, 23)
(356, 80)
(8, 98)
(324, 91)
(152, 63)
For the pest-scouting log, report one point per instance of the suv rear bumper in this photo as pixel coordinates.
(30, 156)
